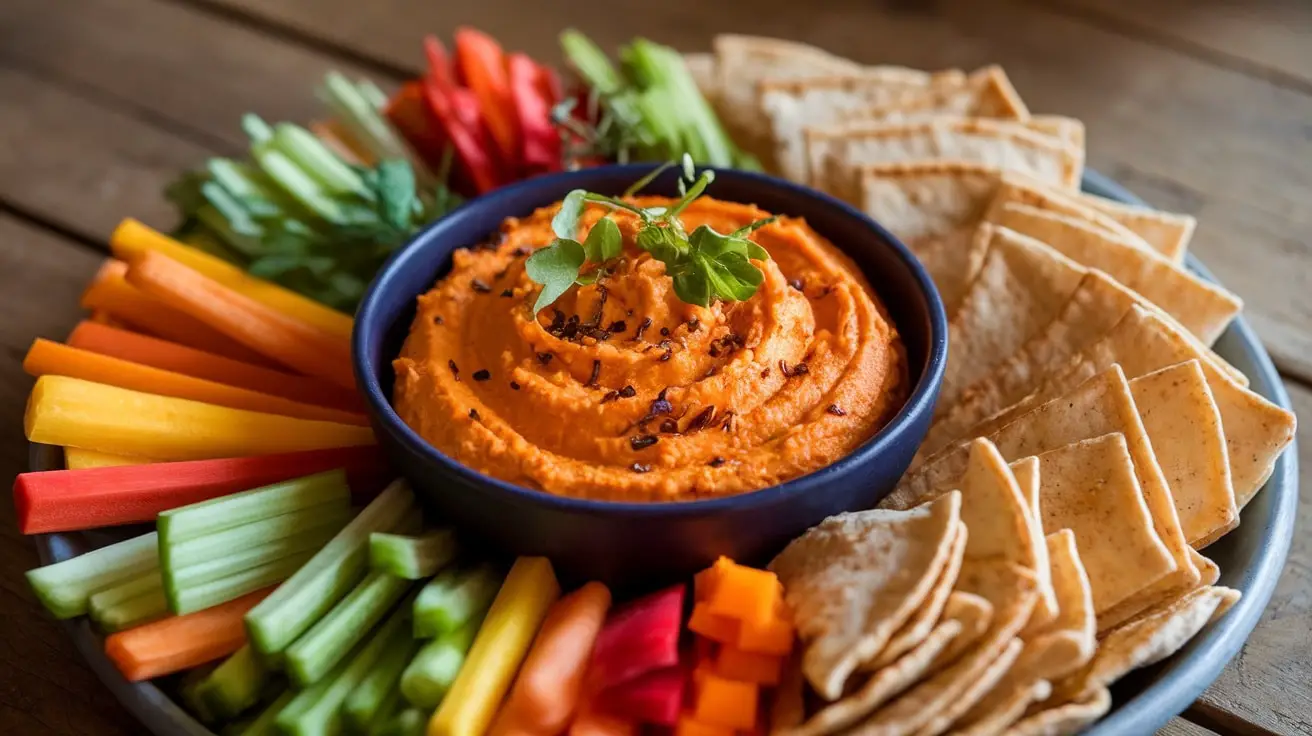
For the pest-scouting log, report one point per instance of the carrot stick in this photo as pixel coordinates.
(181, 642)
(47, 358)
(75, 458)
(93, 416)
(546, 693)
(68, 500)
(170, 356)
(111, 293)
(289, 341)
(104, 318)
(132, 239)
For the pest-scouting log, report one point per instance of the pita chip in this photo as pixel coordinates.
(934, 207)
(1064, 719)
(986, 93)
(836, 155)
(1067, 130)
(1026, 472)
(1168, 233)
(855, 578)
(1016, 186)
(1022, 285)
(1003, 706)
(975, 614)
(788, 710)
(922, 622)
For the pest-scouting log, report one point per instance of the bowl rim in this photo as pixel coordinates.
(922, 398)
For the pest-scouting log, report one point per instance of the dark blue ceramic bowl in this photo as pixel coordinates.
(646, 543)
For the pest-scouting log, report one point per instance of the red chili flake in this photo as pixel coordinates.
(610, 396)
(784, 369)
(473, 414)
(660, 405)
(480, 286)
(521, 251)
(765, 372)
(596, 373)
(795, 283)
(665, 332)
(703, 419)
(836, 410)
(437, 319)
(617, 326)
(455, 370)
(646, 322)
(640, 468)
(628, 392)
(482, 375)
(716, 461)
(694, 324)
(545, 358)
(507, 293)
(514, 385)
(669, 426)
(726, 423)
(642, 441)
(801, 369)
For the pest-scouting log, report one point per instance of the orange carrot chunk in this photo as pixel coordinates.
(273, 334)
(744, 593)
(171, 356)
(181, 642)
(689, 726)
(711, 626)
(726, 703)
(46, 358)
(774, 637)
(735, 664)
(705, 582)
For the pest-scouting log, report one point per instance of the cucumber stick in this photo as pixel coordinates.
(207, 517)
(369, 704)
(235, 685)
(452, 599)
(243, 559)
(209, 547)
(409, 557)
(65, 588)
(291, 609)
(430, 674)
(318, 709)
(208, 595)
(317, 651)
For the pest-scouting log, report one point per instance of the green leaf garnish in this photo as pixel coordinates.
(556, 267)
(604, 241)
(566, 222)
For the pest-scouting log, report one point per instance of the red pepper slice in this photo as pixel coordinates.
(482, 65)
(541, 143)
(439, 62)
(452, 110)
(410, 114)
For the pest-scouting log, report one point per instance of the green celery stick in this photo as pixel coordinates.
(189, 690)
(144, 608)
(297, 184)
(238, 539)
(65, 588)
(357, 109)
(410, 557)
(208, 595)
(235, 685)
(245, 558)
(590, 62)
(318, 708)
(429, 675)
(314, 654)
(392, 705)
(219, 514)
(316, 160)
(409, 722)
(266, 724)
(369, 703)
(291, 609)
(127, 590)
(453, 598)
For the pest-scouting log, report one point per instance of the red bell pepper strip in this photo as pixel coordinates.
(408, 111)
(475, 158)
(549, 85)
(542, 147)
(69, 500)
(439, 62)
(482, 65)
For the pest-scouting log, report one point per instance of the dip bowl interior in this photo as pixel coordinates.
(642, 544)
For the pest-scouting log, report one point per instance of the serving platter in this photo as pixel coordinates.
(1250, 558)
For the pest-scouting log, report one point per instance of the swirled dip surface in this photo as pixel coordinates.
(621, 391)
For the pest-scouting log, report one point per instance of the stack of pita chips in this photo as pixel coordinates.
(1080, 358)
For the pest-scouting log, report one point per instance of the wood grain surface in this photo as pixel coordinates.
(1200, 106)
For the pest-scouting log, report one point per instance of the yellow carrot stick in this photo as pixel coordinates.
(92, 416)
(132, 239)
(75, 458)
(502, 642)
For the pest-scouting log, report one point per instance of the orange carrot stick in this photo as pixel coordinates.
(181, 642)
(546, 693)
(269, 332)
(110, 292)
(169, 356)
(47, 358)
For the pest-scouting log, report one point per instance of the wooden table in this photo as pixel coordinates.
(1200, 106)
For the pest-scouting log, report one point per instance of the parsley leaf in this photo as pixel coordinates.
(555, 267)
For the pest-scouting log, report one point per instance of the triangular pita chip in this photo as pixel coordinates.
(934, 207)
(1026, 472)
(976, 689)
(1016, 186)
(1064, 718)
(975, 614)
(1067, 130)
(1203, 308)
(1021, 286)
(854, 579)
(927, 616)
(987, 93)
(1168, 233)
(994, 510)
(1004, 705)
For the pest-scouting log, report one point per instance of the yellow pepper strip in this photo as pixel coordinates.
(75, 458)
(131, 239)
(501, 644)
(92, 416)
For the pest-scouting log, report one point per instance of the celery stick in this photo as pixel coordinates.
(430, 674)
(144, 583)
(189, 689)
(143, 609)
(357, 108)
(228, 542)
(451, 599)
(313, 655)
(235, 685)
(65, 588)
(291, 609)
(318, 709)
(243, 559)
(216, 515)
(409, 557)
(409, 722)
(369, 703)
(590, 62)
(208, 595)
(318, 162)
(267, 722)
(297, 184)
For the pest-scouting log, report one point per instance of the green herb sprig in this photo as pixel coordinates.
(704, 265)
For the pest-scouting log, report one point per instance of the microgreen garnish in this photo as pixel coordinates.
(705, 265)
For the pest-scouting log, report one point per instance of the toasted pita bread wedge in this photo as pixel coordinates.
(835, 156)
(1022, 285)
(1168, 233)
(934, 207)
(986, 93)
(1016, 186)
(1063, 718)
(791, 106)
(854, 579)
(1003, 706)
(927, 616)
(1203, 308)
(1067, 130)
(1026, 472)
(1256, 431)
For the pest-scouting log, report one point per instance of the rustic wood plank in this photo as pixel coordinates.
(1263, 37)
(44, 687)
(1181, 727)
